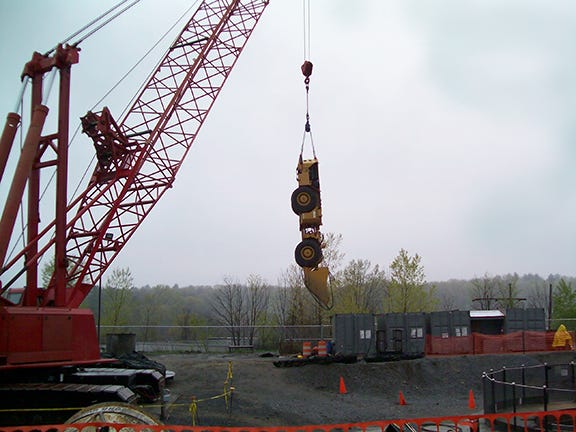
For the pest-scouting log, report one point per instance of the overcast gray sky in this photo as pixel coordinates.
(442, 127)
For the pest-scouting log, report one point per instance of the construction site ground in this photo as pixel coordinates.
(265, 395)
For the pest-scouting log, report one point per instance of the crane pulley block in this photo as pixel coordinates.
(307, 67)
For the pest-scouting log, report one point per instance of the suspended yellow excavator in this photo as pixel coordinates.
(306, 203)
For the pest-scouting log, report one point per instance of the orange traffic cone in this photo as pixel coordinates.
(471, 401)
(342, 386)
(401, 399)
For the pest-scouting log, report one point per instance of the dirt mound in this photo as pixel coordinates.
(268, 396)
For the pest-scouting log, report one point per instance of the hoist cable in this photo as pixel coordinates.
(50, 84)
(306, 27)
(307, 72)
(115, 86)
(146, 54)
(46, 94)
(87, 26)
(20, 100)
(113, 17)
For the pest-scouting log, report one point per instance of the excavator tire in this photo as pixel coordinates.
(304, 199)
(308, 253)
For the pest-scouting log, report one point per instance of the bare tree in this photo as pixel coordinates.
(538, 296)
(183, 320)
(258, 297)
(228, 307)
(150, 308)
(484, 292)
(508, 292)
(297, 311)
(447, 300)
(333, 256)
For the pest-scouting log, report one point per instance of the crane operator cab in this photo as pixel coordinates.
(306, 203)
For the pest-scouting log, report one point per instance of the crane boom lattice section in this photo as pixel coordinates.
(140, 156)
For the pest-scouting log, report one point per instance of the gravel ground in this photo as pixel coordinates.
(265, 395)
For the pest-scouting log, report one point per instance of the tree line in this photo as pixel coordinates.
(358, 286)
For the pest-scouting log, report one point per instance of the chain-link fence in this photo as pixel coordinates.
(204, 339)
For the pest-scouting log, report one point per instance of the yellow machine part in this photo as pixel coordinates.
(316, 281)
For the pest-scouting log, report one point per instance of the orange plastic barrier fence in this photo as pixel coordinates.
(543, 420)
(477, 343)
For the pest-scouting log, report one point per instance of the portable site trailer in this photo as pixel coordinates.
(526, 328)
(449, 332)
(401, 333)
(530, 319)
(354, 335)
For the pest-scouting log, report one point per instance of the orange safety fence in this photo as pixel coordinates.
(477, 343)
(535, 421)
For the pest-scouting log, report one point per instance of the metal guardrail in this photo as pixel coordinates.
(539, 387)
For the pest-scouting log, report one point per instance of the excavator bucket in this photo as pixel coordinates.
(316, 280)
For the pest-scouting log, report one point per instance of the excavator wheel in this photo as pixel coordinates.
(304, 199)
(308, 253)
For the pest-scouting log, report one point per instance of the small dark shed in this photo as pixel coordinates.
(489, 322)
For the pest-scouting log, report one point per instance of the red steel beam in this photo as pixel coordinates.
(7, 139)
(20, 177)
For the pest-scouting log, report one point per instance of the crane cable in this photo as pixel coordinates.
(83, 38)
(93, 22)
(122, 79)
(307, 72)
(19, 103)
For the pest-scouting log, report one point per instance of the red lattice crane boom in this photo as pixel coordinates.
(138, 158)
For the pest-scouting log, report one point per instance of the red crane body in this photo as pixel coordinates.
(138, 158)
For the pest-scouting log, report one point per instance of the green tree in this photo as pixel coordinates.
(407, 290)
(359, 288)
(564, 302)
(116, 296)
(48, 271)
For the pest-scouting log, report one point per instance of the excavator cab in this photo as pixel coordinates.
(306, 203)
